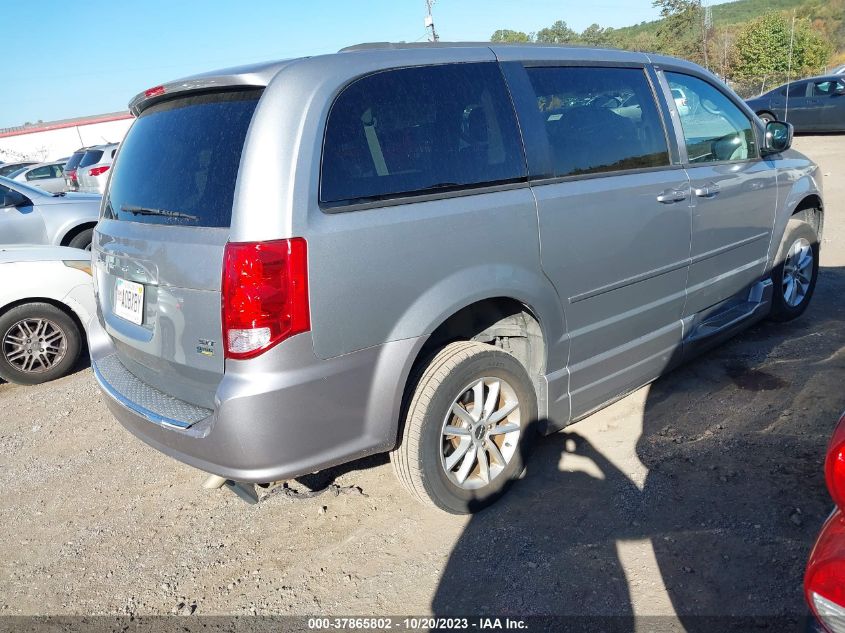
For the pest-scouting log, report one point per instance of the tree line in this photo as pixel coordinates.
(755, 48)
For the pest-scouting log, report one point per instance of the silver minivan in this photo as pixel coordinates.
(433, 250)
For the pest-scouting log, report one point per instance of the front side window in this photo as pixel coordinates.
(598, 119)
(714, 127)
(826, 88)
(420, 130)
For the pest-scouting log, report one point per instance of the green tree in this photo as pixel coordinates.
(594, 35)
(507, 35)
(557, 33)
(680, 33)
(762, 48)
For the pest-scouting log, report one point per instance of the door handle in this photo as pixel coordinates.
(707, 191)
(672, 195)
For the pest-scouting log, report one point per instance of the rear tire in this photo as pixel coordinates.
(469, 426)
(82, 240)
(794, 277)
(38, 342)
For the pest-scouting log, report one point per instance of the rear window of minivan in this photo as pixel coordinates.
(179, 162)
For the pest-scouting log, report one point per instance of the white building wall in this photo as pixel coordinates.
(52, 144)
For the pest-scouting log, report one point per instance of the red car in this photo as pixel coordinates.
(824, 582)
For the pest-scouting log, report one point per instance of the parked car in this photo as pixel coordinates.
(824, 582)
(10, 168)
(29, 215)
(838, 70)
(816, 104)
(371, 221)
(680, 101)
(71, 182)
(45, 298)
(46, 176)
(92, 176)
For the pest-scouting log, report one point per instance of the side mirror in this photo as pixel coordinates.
(12, 198)
(778, 137)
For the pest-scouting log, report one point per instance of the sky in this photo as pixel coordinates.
(81, 58)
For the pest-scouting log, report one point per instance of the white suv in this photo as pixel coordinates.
(93, 169)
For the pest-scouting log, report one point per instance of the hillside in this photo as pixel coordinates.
(729, 13)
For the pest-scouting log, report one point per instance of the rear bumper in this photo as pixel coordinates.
(280, 415)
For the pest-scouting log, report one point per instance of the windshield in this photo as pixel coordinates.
(179, 162)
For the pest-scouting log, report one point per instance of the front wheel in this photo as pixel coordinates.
(469, 425)
(38, 342)
(794, 276)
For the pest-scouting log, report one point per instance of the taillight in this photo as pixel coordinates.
(834, 465)
(154, 92)
(264, 295)
(96, 171)
(71, 174)
(824, 583)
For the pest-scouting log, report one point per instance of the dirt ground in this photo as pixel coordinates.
(698, 495)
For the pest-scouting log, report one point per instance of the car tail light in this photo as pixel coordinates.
(154, 92)
(264, 295)
(96, 171)
(834, 465)
(71, 173)
(824, 583)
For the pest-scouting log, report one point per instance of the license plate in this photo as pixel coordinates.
(129, 300)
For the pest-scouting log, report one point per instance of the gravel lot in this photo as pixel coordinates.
(698, 495)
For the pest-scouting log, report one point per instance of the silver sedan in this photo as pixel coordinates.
(32, 216)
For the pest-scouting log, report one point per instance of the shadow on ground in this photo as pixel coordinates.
(733, 442)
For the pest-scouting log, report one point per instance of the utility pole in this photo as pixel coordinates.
(429, 22)
(789, 67)
(708, 23)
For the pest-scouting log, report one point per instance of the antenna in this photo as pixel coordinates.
(429, 21)
(789, 67)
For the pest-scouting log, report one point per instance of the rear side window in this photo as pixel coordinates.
(598, 119)
(715, 129)
(420, 130)
(92, 157)
(179, 162)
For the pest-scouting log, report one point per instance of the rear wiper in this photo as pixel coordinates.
(165, 212)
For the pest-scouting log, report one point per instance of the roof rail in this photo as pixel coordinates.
(370, 46)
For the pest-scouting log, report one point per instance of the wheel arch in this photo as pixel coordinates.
(50, 301)
(510, 323)
(73, 231)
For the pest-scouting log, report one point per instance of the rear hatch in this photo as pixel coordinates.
(71, 166)
(159, 246)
